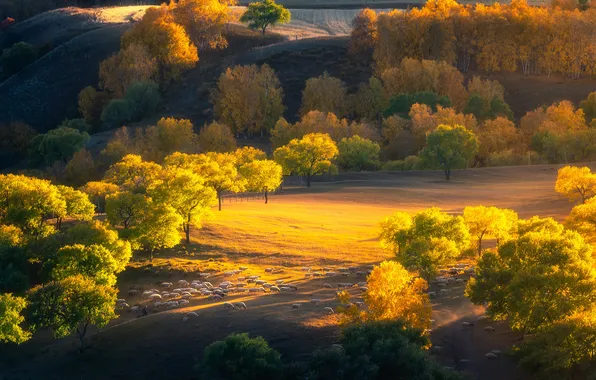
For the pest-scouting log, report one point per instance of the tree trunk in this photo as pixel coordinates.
(186, 228)
(479, 247)
(59, 223)
(219, 200)
(266, 197)
(308, 180)
(151, 255)
(264, 29)
(447, 173)
(81, 336)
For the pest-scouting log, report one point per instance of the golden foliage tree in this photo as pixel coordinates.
(325, 94)
(576, 183)
(132, 64)
(216, 137)
(496, 136)
(364, 34)
(489, 222)
(164, 40)
(248, 99)
(204, 21)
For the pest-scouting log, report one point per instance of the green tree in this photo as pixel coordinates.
(262, 176)
(28, 202)
(489, 222)
(133, 174)
(484, 109)
(159, 228)
(325, 94)
(94, 262)
(71, 305)
(358, 154)
(17, 57)
(370, 100)
(97, 192)
(144, 97)
(426, 240)
(589, 107)
(311, 155)
(91, 104)
(117, 113)
(11, 318)
(402, 103)
(57, 145)
(450, 147)
(543, 276)
(239, 357)
(216, 137)
(259, 15)
(78, 205)
(80, 125)
(188, 193)
(125, 209)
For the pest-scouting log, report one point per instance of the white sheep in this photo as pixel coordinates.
(240, 305)
(191, 314)
(482, 318)
(260, 282)
(489, 329)
(279, 282)
(275, 289)
(296, 306)
(166, 284)
(318, 274)
(243, 268)
(432, 294)
(204, 275)
(228, 305)
(445, 291)
(316, 301)
(328, 310)
(155, 297)
(120, 300)
(182, 283)
(268, 270)
(134, 309)
(490, 355)
(133, 292)
(328, 286)
(331, 274)
(183, 302)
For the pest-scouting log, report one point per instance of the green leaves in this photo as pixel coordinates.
(11, 318)
(58, 145)
(358, 153)
(260, 15)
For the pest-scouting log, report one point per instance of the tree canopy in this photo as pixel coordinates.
(11, 318)
(58, 145)
(308, 156)
(576, 183)
(356, 153)
(261, 14)
(489, 222)
(262, 176)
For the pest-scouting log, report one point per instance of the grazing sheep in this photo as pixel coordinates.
(241, 278)
(305, 269)
(445, 291)
(296, 306)
(337, 346)
(133, 309)
(268, 270)
(328, 286)
(182, 283)
(482, 318)
(228, 305)
(240, 284)
(184, 319)
(229, 273)
(275, 289)
(253, 277)
(330, 274)
(363, 289)
(166, 284)
(250, 281)
(215, 297)
(432, 294)
(467, 324)
(490, 355)
(489, 329)
(204, 275)
(158, 304)
(267, 286)
(260, 282)
(191, 314)
(124, 305)
(328, 310)
(318, 274)
(183, 302)
(155, 297)
(292, 287)
(133, 292)
(147, 293)
(241, 290)
(240, 305)
(243, 268)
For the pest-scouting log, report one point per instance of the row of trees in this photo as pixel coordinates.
(508, 37)
(52, 277)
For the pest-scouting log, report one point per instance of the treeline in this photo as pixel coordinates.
(496, 37)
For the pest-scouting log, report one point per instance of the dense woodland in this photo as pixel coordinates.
(72, 221)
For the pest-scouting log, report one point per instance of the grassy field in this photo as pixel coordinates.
(333, 224)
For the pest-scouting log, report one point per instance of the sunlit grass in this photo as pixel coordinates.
(287, 230)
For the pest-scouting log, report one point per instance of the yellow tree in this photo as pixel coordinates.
(125, 209)
(133, 174)
(188, 193)
(248, 99)
(171, 135)
(159, 228)
(312, 122)
(97, 192)
(248, 154)
(308, 156)
(78, 205)
(496, 136)
(589, 107)
(132, 64)
(364, 34)
(576, 183)
(392, 293)
(370, 100)
(583, 218)
(164, 40)
(204, 21)
(262, 176)
(11, 319)
(324, 94)
(216, 137)
(489, 222)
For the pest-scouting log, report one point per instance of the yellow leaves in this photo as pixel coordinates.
(216, 137)
(576, 183)
(489, 222)
(203, 21)
(131, 64)
(364, 33)
(324, 94)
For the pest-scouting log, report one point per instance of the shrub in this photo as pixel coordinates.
(117, 112)
(79, 124)
(216, 137)
(356, 153)
(91, 103)
(393, 166)
(239, 357)
(18, 57)
(59, 144)
(145, 97)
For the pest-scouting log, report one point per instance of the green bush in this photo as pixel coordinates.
(117, 113)
(484, 109)
(379, 350)
(145, 97)
(59, 144)
(79, 124)
(400, 104)
(393, 166)
(18, 57)
(239, 357)
(356, 153)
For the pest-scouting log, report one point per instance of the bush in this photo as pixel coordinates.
(145, 97)
(239, 357)
(379, 350)
(59, 144)
(483, 109)
(356, 153)
(18, 57)
(117, 113)
(393, 166)
(216, 137)
(79, 124)
(401, 104)
(91, 104)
